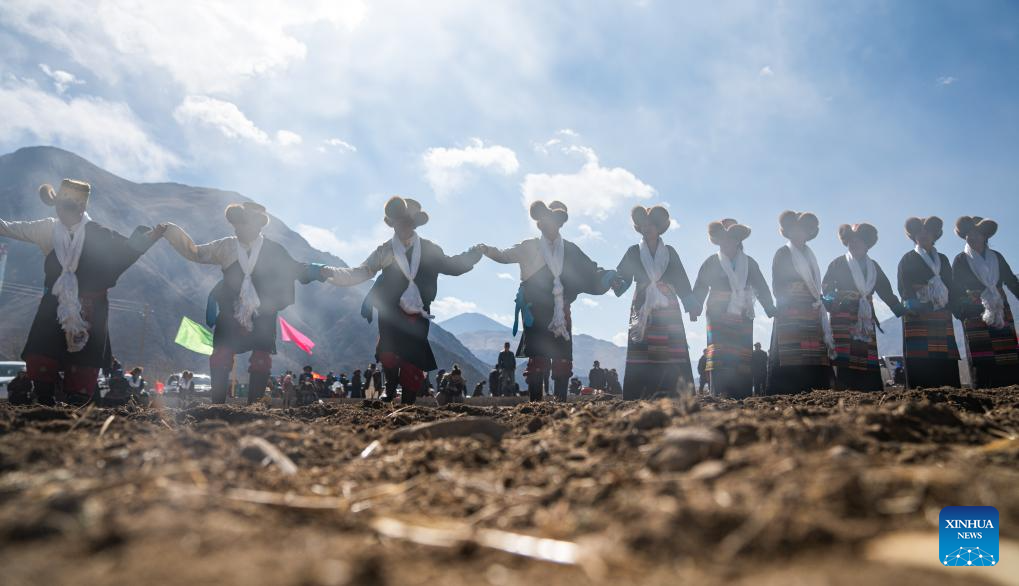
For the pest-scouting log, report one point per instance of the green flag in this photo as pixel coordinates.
(194, 336)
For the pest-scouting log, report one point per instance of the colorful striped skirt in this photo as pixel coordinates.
(730, 343)
(797, 335)
(849, 352)
(664, 339)
(989, 346)
(929, 335)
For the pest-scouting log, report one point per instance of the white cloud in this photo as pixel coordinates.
(586, 232)
(947, 80)
(61, 79)
(448, 307)
(205, 45)
(288, 138)
(338, 144)
(221, 115)
(446, 169)
(593, 191)
(108, 133)
(766, 71)
(620, 338)
(568, 132)
(506, 276)
(351, 250)
(587, 301)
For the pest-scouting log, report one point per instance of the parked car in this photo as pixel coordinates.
(8, 370)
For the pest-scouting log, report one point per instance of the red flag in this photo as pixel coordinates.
(291, 334)
(160, 387)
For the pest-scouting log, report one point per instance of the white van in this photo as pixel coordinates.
(8, 370)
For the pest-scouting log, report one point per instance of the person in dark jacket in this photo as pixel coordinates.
(980, 276)
(726, 287)
(850, 284)
(356, 385)
(702, 371)
(82, 262)
(507, 365)
(925, 282)
(493, 383)
(759, 369)
(597, 377)
(553, 272)
(802, 345)
(402, 295)
(258, 283)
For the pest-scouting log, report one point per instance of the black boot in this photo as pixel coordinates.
(256, 386)
(45, 393)
(220, 385)
(392, 379)
(561, 388)
(409, 396)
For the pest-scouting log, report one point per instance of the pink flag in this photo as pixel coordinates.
(290, 334)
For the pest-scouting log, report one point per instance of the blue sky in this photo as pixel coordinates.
(859, 111)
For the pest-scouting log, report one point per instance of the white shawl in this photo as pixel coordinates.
(864, 283)
(741, 302)
(67, 246)
(805, 264)
(655, 267)
(248, 301)
(410, 302)
(554, 254)
(987, 271)
(935, 291)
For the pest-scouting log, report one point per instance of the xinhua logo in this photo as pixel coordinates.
(968, 536)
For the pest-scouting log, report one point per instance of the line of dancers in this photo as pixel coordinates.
(824, 333)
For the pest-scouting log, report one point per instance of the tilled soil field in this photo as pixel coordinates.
(824, 488)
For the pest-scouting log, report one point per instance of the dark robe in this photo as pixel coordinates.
(399, 333)
(799, 359)
(104, 257)
(660, 363)
(273, 277)
(929, 349)
(857, 365)
(580, 275)
(730, 337)
(993, 352)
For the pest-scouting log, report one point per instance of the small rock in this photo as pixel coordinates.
(460, 427)
(682, 448)
(535, 424)
(652, 419)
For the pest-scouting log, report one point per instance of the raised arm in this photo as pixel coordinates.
(38, 232)
(506, 256)
(216, 252)
(459, 264)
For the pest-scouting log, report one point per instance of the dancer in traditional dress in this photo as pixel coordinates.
(980, 276)
(553, 272)
(410, 267)
(925, 286)
(258, 283)
(801, 337)
(657, 354)
(849, 287)
(83, 260)
(729, 282)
